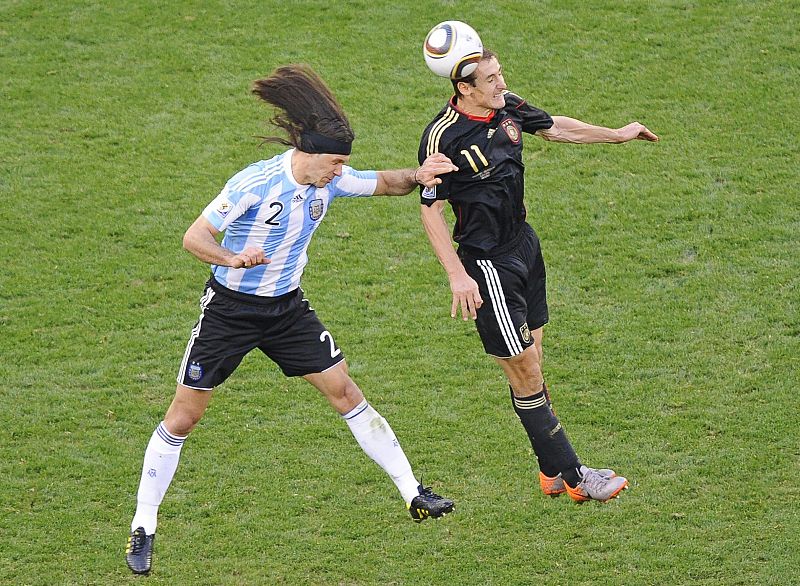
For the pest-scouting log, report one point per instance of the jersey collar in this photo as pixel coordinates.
(470, 116)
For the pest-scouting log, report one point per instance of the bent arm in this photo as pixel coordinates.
(566, 129)
(200, 240)
(403, 181)
(464, 288)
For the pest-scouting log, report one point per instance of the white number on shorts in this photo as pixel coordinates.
(334, 350)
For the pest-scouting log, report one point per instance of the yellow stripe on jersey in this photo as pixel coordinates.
(448, 119)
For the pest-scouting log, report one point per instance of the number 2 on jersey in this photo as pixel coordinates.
(334, 350)
(271, 221)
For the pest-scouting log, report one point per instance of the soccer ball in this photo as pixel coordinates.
(452, 49)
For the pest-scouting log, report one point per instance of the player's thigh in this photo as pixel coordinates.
(304, 345)
(536, 287)
(502, 319)
(225, 331)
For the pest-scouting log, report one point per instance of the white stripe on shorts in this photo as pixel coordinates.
(204, 301)
(500, 308)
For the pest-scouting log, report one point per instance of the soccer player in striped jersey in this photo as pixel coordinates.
(268, 213)
(497, 275)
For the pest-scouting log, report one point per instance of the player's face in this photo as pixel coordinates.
(326, 167)
(489, 86)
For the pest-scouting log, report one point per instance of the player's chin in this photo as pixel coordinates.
(498, 102)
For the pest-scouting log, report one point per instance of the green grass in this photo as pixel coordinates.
(674, 338)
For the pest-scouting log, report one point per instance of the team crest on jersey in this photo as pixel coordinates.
(511, 130)
(315, 209)
(194, 371)
(223, 208)
(526, 333)
(429, 193)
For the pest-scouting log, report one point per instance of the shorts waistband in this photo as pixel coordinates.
(247, 297)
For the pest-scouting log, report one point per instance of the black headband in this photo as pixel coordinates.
(316, 143)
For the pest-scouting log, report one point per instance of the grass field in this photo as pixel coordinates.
(674, 285)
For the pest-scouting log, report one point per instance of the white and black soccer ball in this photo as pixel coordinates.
(452, 49)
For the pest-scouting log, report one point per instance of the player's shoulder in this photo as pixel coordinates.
(513, 100)
(446, 114)
(256, 176)
(446, 125)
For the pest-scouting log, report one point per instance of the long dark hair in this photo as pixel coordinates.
(304, 104)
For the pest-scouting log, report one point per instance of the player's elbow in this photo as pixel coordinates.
(545, 135)
(187, 241)
(190, 240)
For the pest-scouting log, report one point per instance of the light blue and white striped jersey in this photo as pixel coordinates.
(264, 206)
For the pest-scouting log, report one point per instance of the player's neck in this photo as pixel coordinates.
(467, 106)
(300, 167)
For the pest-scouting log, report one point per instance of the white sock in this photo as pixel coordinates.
(160, 462)
(376, 438)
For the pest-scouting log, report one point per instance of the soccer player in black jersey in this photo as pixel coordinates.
(497, 275)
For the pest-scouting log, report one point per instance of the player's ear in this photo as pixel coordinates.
(464, 87)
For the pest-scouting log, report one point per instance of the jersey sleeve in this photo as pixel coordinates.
(354, 183)
(228, 206)
(428, 195)
(533, 119)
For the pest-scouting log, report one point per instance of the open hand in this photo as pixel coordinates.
(465, 294)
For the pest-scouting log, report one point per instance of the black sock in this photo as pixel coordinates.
(547, 396)
(547, 436)
(572, 476)
(546, 465)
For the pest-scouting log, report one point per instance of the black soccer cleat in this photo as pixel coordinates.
(139, 551)
(429, 504)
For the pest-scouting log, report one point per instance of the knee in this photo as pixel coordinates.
(181, 418)
(350, 397)
(346, 397)
(524, 372)
(527, 363)
(180, 423)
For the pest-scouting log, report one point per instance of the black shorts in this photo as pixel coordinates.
(512, 286)
(231, 324)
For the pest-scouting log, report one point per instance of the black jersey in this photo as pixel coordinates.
(487, 192)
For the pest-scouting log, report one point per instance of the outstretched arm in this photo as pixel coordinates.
(567, 129)
(200, 241)
(403, 181)
(464, 287)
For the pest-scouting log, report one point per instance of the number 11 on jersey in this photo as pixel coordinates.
(471, 161)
